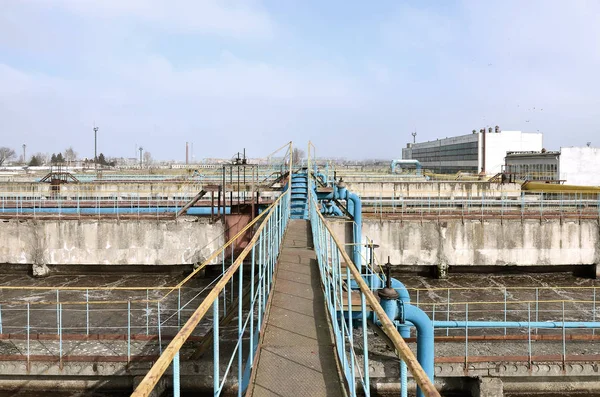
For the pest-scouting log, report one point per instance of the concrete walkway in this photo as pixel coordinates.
(297, 354)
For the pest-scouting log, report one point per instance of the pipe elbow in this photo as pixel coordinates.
(425, 337)
(404, 296)
(357, 203)
(419, 319)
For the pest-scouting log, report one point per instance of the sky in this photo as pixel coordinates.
(354, 77)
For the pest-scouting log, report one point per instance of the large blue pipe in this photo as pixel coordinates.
(355, 209)
(425, 339)
(322, 176)
(397, 162)
(515, 324)
(331, 209)
(112, 210)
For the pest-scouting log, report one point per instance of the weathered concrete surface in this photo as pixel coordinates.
(434, 189)
(187, 240)
(477, 243)
(153, 189)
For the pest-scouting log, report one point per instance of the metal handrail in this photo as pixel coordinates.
(153, 376)
(387, 325)
(171, 353)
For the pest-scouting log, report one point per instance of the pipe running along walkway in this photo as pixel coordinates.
(294, 339)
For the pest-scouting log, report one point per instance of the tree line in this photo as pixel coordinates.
(68, 157)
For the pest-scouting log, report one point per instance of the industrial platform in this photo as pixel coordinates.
(296, 354)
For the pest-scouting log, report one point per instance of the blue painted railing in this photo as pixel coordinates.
(262, 252)
(339, 300)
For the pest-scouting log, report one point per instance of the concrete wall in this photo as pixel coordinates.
(110, 242)
(104, 189)
(580, 166)
(491, 243)
(434, 189)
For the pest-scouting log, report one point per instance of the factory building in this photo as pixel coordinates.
(482, 151)
(571, 165)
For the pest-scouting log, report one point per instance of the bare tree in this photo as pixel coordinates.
(147, 158)
(43, 158)
(70, 155)
(297, 155)
(6, 154)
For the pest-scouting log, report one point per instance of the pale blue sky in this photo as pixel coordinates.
(355, 77)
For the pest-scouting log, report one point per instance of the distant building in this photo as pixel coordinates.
(532, 166)
(572, 165)
(477, 152)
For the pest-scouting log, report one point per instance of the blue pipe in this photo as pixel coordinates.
(515, 324)
(416, 163)
(390, 307)
(355, 209)
(331, 209)
(322, 176)
(112, 210)
(425, 339)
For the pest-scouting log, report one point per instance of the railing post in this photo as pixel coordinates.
(159, 327)
(87, 312)
(504, 308)
(260, 282)
(128, 331)
(466, 337)
(593, 313)
(363, 307)
(28, 331)
(147, 312)
(57, 312)
(176, 386)
(536, 307)
(342, 342)
(252, 301)
(564, 340)
(60, 338)
(178, 308)
(529, 333)
(350, 333)
(269, 254)
(240, 327)
(448, 313)
(223, 272)
(216, 381)
(232, 261)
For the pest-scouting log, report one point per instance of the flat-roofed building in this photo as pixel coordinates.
(532, 166)
(573, 165)
(477, 152)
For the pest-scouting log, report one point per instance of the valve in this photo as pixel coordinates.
(388, 292)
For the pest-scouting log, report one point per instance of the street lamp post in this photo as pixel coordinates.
(96, 148)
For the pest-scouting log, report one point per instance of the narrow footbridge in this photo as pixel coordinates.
(301, 306)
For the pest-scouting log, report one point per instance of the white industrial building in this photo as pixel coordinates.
(477, 152)
(572, 165)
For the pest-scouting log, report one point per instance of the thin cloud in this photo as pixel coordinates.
(236, 18)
